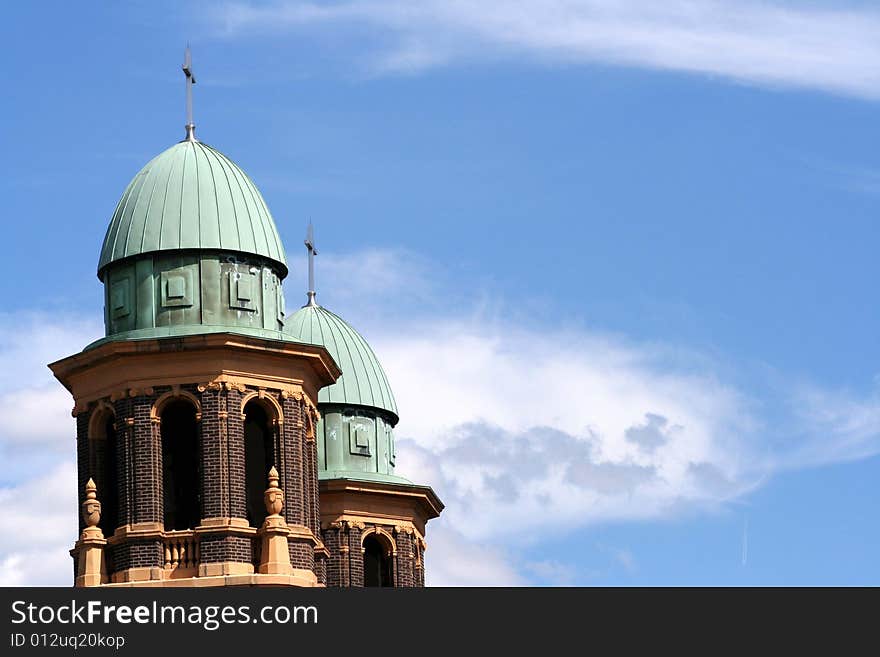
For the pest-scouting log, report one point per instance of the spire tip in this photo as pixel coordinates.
(310, 245)
(190, 81)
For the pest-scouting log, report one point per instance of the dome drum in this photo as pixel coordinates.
(355, 441)
(163, 292)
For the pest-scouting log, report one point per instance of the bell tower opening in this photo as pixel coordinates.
(102, 447)
(259, 456)
(180, 465)
(377, 563)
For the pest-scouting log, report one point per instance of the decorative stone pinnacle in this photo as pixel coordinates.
(274, 496)
(274, 555)
(91, 507)
(90, 566)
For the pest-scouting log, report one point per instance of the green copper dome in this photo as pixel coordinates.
(355, 431)
(192, 248)
(191, 197)
(363, 381)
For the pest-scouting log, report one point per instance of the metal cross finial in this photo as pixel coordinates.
(190, 81)
(310, 245)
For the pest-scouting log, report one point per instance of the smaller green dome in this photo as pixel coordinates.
(191, 197)
(363, 381)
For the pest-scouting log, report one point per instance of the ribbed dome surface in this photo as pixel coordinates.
(363, 381)
(191, 197)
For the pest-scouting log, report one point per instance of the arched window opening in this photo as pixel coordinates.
(102, 445)
(259, 456)
(377, 563)
(110, 494)
(180, 465)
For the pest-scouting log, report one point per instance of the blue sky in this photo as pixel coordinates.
(573, 216)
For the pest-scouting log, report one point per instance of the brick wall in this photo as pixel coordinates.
(302, 554)
(222, 485)
(346, 564)
(124, 460)
(419, 570)
(321, 569)
(82, 463)
(214, 486)
(139, 480)
(146, 468)
(235, 470)
(403, 567)
(333, 566)
(136, 554)
(355, 558)
(290, 462)
(216, 548)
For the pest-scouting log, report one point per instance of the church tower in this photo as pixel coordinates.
(372, 520)
(195, 391)
(200, 441)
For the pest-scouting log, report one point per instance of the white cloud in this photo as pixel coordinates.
(38, 496)
(40, 416)
(452, 560)
(822, 46)
(38, 527)
(31, 340)
(531, 431)
(526, 431)
(37, 406)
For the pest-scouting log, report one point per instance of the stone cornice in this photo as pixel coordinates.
(423, 495)
(132, 367)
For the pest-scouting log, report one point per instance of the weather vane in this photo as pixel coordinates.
(310, 245)
(190, 81)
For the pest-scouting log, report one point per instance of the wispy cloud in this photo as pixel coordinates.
(621, 557)
(848, 177)
(553, 572)
(368, 281)
(824, 46)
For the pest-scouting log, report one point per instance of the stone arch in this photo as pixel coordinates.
(383, 536)
(97, 428)
(268, 402)
(172, 395)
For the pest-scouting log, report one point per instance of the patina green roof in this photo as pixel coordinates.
(191, 197)
(363, 381)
